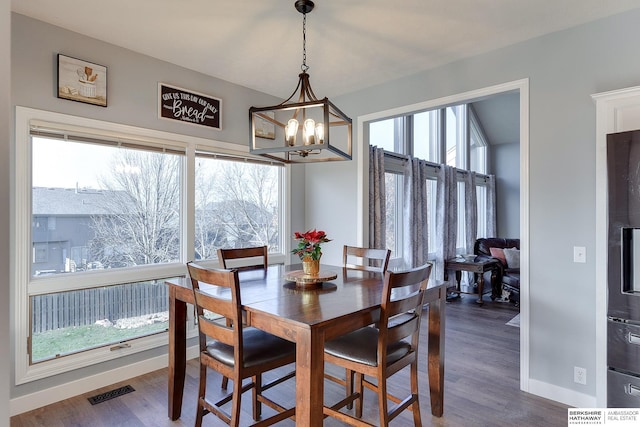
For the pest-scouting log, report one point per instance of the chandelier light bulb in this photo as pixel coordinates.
(290, 132)
(319, 133)
(309, 132)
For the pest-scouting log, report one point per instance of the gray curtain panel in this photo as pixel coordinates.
(416, 236)
(470, 211)
(377, 210)
(491, 207)
(470, 216)
(446, 217)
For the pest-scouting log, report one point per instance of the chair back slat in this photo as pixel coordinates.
(223, 306)
(404, 329)
(405, 304)
(216, 330)
(213, 327)
(244, 258)
(368, 259)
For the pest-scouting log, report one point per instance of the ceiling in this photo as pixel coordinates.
(351, 44)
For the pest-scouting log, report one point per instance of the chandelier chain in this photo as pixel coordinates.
(304, 66)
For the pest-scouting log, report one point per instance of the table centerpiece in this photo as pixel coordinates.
(309, 250)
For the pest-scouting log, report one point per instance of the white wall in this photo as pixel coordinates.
(5, 190)
(563, 69)
(330, 205)
(505, 161)
(132, 83)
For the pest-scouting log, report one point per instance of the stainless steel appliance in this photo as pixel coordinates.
(623, 312)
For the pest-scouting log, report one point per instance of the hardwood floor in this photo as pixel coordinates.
(481, 385)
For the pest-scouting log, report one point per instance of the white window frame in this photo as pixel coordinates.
(26, 285)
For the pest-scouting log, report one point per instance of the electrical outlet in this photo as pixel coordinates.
(580, 375)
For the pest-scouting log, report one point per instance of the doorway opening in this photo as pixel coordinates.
(520, 91)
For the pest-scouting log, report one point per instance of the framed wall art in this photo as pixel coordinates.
(264, 128)
(187, 106)
(82, 81)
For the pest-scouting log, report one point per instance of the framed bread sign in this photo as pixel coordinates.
(186, 106)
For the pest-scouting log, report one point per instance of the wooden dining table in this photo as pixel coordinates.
(308, 317)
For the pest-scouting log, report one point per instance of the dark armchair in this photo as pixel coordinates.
(507, 279)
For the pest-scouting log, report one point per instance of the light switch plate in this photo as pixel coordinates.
(579, 254)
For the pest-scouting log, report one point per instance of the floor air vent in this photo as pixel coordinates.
(110, 394)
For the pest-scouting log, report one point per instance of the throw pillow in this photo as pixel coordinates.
(498, 253)
(513, 257)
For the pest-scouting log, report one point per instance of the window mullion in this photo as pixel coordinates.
(408, 135)
(442, 155)
(187, 223)
(398, 135)
(467, 137)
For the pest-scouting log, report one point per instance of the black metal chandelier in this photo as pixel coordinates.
(301, 130)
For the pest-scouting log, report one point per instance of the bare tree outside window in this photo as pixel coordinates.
(236, 206)
(142, 202)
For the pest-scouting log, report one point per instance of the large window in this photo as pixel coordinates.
(237, 205)
(387, 134)
(478, 146)
(100, 206)
(112, 206)
(426, 136)
(450, 135)
(111, 213)
(455, 126)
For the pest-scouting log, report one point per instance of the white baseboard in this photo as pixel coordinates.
(60, 392)
(562, 395)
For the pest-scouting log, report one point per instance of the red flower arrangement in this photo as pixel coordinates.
(309, 243)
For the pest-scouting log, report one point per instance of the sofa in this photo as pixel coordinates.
(506, 285)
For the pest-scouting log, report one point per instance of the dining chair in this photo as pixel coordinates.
(242, 259)
(235, 351)
(368, 259)
(252, 254)
(384, 349)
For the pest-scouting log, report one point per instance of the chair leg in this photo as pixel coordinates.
(360, 391)
(235, 403)
(417, 419)
(257, 390)
(382, 401)
(349, 374)
(202, 390)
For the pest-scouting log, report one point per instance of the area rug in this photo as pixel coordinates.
(515, 321)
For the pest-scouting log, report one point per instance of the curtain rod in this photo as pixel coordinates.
(436, 166)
